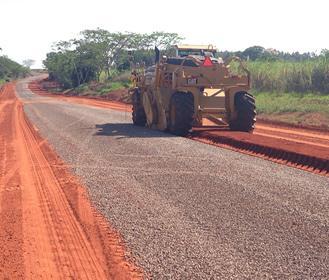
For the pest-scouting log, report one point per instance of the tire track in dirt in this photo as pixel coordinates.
(314, 138)
(11, 241)
(48, 228)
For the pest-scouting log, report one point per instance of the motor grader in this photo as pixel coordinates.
(180, 92)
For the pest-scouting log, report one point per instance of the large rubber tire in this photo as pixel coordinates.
(138, 114)
(246, 112)
(181, 113)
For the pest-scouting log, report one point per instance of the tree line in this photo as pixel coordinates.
(260, 53)
(96, 53)
(10, 69)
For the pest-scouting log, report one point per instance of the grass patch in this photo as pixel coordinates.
(294, 108)
(270, 103)
(112, 86)
(118, 85)
(96, 88)
(82, 88)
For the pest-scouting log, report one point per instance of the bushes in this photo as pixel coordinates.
(112, 86)
(10, 69)
(320, 77)
(71, 68)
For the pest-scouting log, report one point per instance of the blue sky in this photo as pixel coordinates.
(28, 28)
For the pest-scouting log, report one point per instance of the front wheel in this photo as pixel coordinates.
(181, 113)
(246, 112)
(138, 114)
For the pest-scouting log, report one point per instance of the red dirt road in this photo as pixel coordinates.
(48, 228)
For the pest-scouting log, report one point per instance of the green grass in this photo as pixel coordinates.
(117, 85)
(112, 86)
(82, 88)
(117, 81)
(294, 108)
(270, 103)
(100, 88)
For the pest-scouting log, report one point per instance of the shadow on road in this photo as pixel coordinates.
(127, 130)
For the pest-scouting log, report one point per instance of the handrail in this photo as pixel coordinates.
(241, 65)
(179, 67)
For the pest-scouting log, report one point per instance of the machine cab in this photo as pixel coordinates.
(195, 50)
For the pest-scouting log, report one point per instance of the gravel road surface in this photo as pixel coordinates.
(188, 210)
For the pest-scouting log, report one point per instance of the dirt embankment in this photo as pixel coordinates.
(111, 102)
(48, 228)
(93, 91)
(303, 149)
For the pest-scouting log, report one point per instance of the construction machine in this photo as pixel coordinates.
(180, 92)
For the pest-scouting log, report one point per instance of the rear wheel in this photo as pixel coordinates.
(181, 113)
(138, 114)
(246, 112)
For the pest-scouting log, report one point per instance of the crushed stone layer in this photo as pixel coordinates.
(187, 210)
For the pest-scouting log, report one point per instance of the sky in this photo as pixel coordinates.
(28, 28)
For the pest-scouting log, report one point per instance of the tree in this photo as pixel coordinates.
(99, 51)
(10, 69)
(111, 48)
(254, 52)
(28, 63)
(162, 40)
(71, 68)
(107, 46)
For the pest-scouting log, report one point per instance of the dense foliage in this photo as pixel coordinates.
(10, 69)
(274, 71)
(96, 52)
